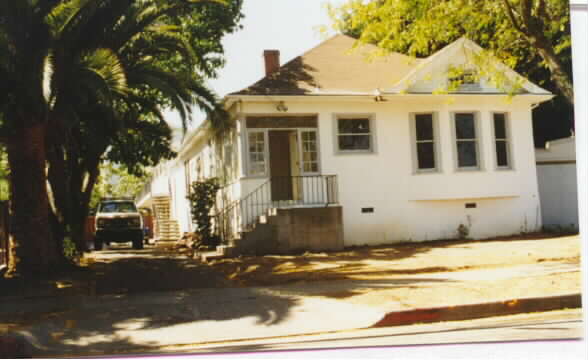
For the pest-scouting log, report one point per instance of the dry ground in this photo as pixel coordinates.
(368, 263)
(408, 275)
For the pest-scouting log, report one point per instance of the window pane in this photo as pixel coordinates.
(426, 155)
(354, 126)
(499, 126)
(424, 126)
(466, 154)
(501, 153)
(354, 142)
(257, 168)
(464, 126)
(308, 136)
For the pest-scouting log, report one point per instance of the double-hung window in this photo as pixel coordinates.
(257, 158)
(425, 139)
(354, 134)
(501, 141)
(309, 151)
(466, 141)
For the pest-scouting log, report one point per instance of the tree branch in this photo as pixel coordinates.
(511, 16)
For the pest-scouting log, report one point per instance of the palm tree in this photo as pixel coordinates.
(74, 74)
(24, 45)
(114, 82)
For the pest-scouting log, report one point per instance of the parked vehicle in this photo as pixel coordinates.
(118, 220)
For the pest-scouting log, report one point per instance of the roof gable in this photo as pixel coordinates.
(433, 73)
(332, 68)
(335, 68)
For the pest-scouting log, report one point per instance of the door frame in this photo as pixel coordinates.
(267, 154)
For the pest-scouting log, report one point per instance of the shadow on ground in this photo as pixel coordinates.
(354, 263)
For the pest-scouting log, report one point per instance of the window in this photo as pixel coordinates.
(257, 162)
(466, 81)
(466, 141)
(309, 151)
(354, 134)
(424, 136)
(501, 141)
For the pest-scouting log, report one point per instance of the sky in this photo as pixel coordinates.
(290, 26)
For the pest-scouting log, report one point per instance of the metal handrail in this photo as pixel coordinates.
(287, 191)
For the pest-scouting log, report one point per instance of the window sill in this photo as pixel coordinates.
(355, 152)
(427, 172)
(468, 170)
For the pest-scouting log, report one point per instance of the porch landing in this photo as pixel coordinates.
(294, 229)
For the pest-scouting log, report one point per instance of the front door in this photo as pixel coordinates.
(281, 164)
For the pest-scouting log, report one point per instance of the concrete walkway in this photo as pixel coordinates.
(145, 322)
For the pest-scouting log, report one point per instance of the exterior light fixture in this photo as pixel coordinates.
(281, 107)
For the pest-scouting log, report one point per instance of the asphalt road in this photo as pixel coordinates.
(562, 324)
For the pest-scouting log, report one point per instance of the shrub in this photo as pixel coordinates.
(202, 199)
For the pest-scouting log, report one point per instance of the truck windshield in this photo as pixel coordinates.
(118, 206)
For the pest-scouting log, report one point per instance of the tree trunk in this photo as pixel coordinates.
(32, 251)
(558, 74)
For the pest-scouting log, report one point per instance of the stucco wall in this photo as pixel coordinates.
(417, 207)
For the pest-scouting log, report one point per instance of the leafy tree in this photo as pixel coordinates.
(25, 40)
(115, 181)
(532, 35)
(81, 77)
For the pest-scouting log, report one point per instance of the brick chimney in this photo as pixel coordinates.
(272, 61)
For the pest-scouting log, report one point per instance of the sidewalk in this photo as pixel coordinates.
(86, 324)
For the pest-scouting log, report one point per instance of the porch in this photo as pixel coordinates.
(283, 214)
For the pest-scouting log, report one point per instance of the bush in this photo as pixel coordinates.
(202, 199)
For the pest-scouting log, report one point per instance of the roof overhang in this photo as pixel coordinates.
(387, 97)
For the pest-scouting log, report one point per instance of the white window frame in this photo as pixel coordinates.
(507, 140)
(435, 141)
(265, 153)
(372, 124)
(477, 139)
(301, 151)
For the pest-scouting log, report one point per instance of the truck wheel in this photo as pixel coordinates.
(138, 242)
(98, 244)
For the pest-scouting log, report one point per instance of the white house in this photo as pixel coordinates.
(558, 184)
(342, 151)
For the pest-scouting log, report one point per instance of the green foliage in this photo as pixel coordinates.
(115, 181)
(202, 198)
(532, 41)
(69, 249)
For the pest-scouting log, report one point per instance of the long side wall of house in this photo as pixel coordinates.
(419, 207)
(205, 158)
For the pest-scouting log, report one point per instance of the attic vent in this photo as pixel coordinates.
(467, 81)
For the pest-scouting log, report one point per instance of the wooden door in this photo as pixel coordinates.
(280, 165)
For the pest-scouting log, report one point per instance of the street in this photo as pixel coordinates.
(563, 324)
